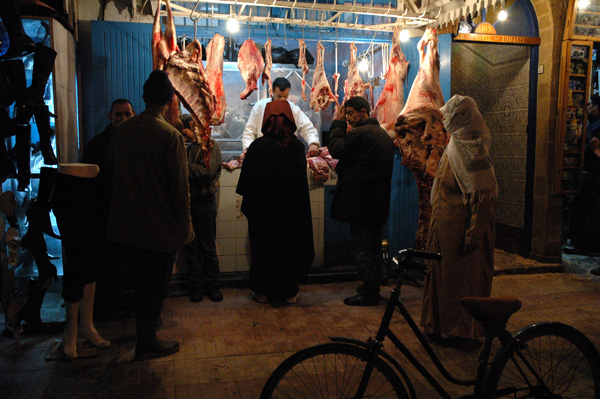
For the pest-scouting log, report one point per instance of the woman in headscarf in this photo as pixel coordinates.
(274, 186)
(462, 224)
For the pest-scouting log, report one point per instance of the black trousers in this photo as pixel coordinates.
(366, 251)
(201, 254)
(150, 273)
(76, 202)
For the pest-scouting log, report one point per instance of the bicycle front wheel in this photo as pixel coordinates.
(333, 370)
(563, 358)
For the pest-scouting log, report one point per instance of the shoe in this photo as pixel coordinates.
(293, 299)
(159, 324)
(361, 300)
(260, 298)
(215, 294)
(196, 295)
(155, 348)
(596, 271)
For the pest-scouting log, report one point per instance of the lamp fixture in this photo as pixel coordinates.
(233, 25)
(404, 35)
(502, 15)
(363, 65)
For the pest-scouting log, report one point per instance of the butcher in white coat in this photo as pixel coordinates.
(305, 128)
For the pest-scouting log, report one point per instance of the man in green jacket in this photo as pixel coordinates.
(149, 216)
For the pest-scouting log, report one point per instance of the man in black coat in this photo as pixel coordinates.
(362, 196)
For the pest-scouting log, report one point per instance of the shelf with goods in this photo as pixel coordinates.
(583, 22)
(575, 78)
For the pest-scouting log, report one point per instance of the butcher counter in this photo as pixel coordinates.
(331, 238)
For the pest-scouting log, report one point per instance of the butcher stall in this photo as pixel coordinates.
(358, 49)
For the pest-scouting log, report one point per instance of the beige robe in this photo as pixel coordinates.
(458, 274)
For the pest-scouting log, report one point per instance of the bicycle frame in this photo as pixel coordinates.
(374, 347)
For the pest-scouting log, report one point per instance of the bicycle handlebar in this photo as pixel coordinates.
(404, 256)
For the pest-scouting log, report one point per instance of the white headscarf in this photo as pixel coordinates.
(468, 149)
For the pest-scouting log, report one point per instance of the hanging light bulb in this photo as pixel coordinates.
(502, 15)
(583, 4)
(363, 65)
(233, 25)
(404, 35)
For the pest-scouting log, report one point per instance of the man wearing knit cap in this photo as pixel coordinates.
(149, 217)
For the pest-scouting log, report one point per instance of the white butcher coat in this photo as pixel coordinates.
(304, 126)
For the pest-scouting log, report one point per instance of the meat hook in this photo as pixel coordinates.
(195, 20)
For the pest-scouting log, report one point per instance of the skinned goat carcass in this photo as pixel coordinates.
(391, 100)
(320, 94)
(214, 72)
(250, 64)
(191, 85)
(302, 63)
(163, 47)
(266, 75)
(353, 86)
(420, 132)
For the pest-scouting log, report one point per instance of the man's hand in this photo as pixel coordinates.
(313, 150)
(470, 245)
(595, 146)
(340, 115)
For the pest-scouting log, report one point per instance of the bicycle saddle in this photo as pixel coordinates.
(497, 309)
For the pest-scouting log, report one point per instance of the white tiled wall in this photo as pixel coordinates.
(233, 245)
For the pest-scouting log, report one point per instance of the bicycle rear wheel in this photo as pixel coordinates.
(329, 371)
(564, 359)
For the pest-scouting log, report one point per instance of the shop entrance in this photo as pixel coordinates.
(497, 77)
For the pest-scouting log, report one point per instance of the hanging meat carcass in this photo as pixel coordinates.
(302, 63)
(214, 72)
(320, 94)
(250, 64)
(353, 86)
(420, 132)
(391, 100)
(336, 78)
(266, 75)
(163, 47)
(191, 84)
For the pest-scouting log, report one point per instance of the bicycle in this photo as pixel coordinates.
(544, 360)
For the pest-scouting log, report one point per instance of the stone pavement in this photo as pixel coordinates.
(229, 349)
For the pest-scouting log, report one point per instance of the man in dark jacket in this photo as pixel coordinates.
(362, 196)
(95, 151)
(149, 216)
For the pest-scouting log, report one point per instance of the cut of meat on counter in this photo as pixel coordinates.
(320, 94)
(214, 72)
(420, 132)
(250, 64)
(391, 100)
(163, 47)
(191, 86)
(266, 75)
(302, 63)
(353, 86)
(321, 164)
(319, 169)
